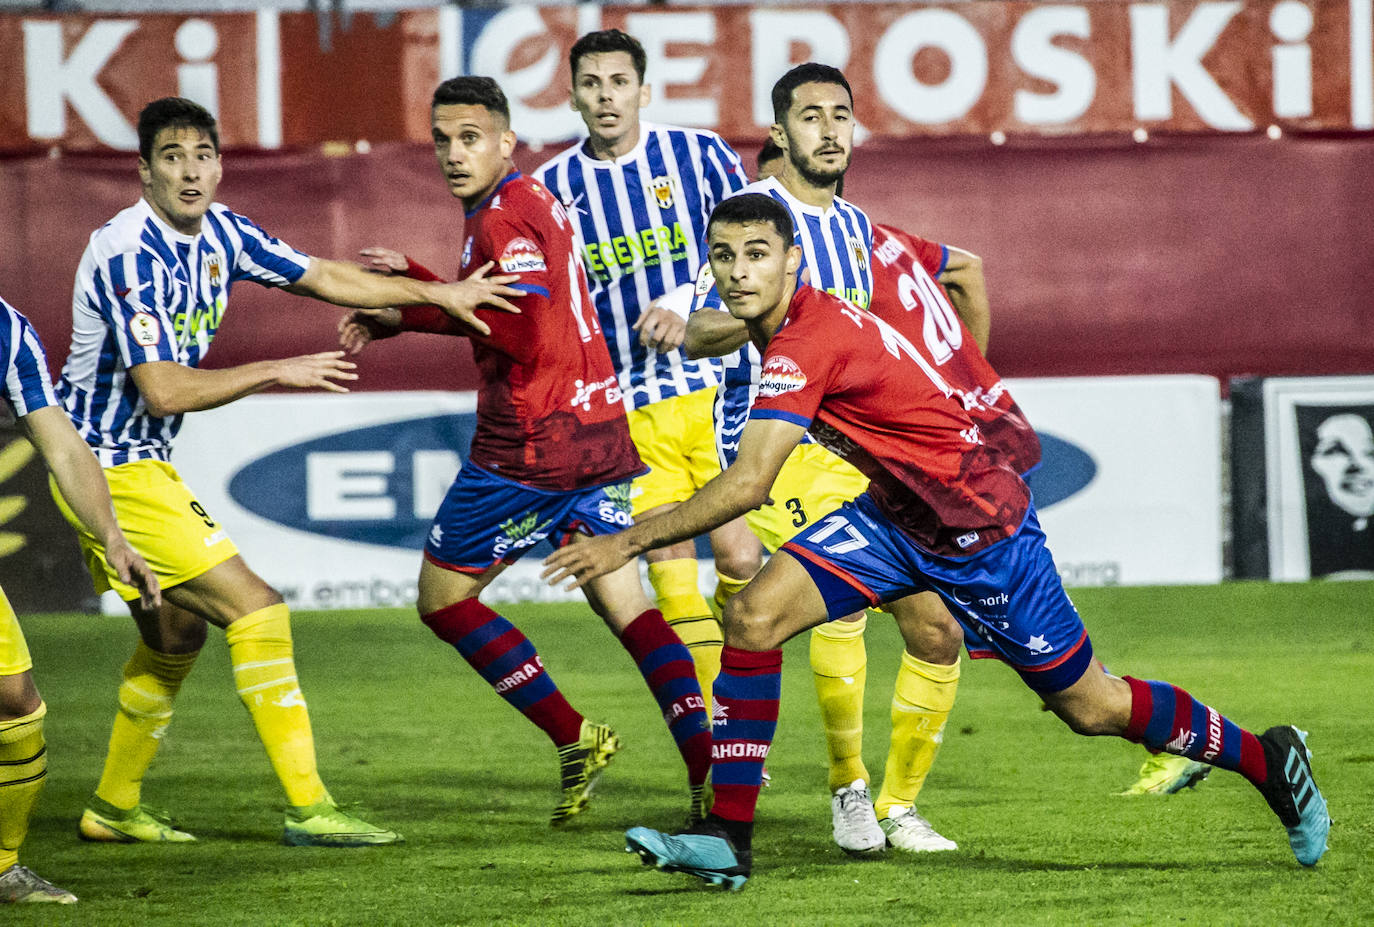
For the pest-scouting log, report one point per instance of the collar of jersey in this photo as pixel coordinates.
(795, 204)
(168, 232)
(645, 128)
(482, 205)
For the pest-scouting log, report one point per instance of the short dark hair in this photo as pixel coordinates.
(472, 91)
(809, 73)
(173, 113)
(608, 40)
(769, 152)
(753, 207)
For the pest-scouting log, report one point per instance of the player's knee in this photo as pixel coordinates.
(18, 696)
(738, 564)
(750, 624)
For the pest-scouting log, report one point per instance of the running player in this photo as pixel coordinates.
(813, 129)
(640, 195)
(151, 292)
(945, 285)
(28, 393)
(552, 456)
(945, 512)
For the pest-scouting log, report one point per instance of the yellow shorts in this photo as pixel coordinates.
(677, 442)
(14, 652)
(162, 520)
(812, 483)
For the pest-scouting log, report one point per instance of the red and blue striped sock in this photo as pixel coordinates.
(667, 666)
(1168, 719)
(507, 660)
(746, 717)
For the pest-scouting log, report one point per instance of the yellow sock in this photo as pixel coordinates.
(265, 675)
(839, 664)
(680, 600)
(23, 769)
(726, 589)
(151, 682)
(921, 701)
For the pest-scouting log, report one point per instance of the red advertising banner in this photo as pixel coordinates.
(978, 67)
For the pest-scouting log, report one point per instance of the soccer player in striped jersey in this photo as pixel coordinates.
(151, 292)
(552, 456)
(945, 512)
(641, 194)
(813, 130)
(28, 393)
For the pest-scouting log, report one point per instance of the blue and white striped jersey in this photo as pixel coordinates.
(837, 246)
(28, 385)
(146, 292)
(642, 223)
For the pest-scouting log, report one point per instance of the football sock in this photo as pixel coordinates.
(839, 667)
(921, 702)
(747, 693)
(667, 668)
(1165, 718)
(23, 769)
(151, 682)
(680, 600)
(507, 660)
(265, 676)
(727, 587)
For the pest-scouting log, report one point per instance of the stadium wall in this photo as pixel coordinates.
(1217, 255)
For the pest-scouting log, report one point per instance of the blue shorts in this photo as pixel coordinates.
(486, 519)
(1007, 597)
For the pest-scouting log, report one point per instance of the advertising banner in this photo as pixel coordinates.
(1303, 470)
(77, 81)
(41, 569)
(329, 498)
(1130, 489)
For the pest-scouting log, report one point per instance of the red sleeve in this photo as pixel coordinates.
(516, 246)
(428, 318)
(795, 375)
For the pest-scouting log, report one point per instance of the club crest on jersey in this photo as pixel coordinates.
(705, 279)
(661, 189)
(780, 375)
(214, 269)
(144, 329)
(860, 253)
(521, 256)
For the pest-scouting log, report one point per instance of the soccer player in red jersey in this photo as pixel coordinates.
(944, 512)
(551, 457)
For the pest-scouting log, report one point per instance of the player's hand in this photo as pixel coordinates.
(478, 291)
(660, 329)
(361, 326)
(585, 559)
(383, 261)
(316, 371)
(134, 570)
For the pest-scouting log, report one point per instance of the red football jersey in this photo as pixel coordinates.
(549, 408)
(906, 295)
(864, 391)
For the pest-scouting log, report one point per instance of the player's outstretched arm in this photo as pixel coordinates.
(169, 388)
(82, 484)
(963, 280)
(714, 333)
(744, 485)
(346, 284)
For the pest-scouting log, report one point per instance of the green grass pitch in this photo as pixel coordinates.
(407, 730)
